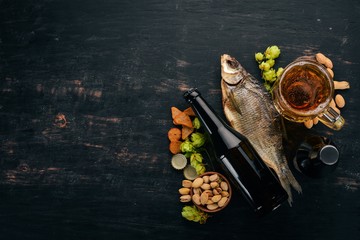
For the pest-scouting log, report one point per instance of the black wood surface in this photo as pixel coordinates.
(86, 89)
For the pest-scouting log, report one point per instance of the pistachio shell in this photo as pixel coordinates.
(214, 177)
(225, 193)
(184, 191)
(186, 183)
(209, 192)
(216, 198)
(206, 179)
(197, 182)
(209, 202)
(214, 184)
(222, 201)
(197, 191)
(204, 198)
(224, 186)
(185, 198)
(205, 186)
(196, 199)
(212, 206)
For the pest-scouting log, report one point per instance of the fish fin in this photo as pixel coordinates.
(231, 98)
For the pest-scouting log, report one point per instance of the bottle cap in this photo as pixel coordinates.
(190, 172)
(178, 161)
(191, 94)
(329, 154)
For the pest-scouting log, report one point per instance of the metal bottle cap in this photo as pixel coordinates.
(329, 155)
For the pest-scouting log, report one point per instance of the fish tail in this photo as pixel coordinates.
(287, 181)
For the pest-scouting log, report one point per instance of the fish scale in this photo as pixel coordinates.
(248, 108)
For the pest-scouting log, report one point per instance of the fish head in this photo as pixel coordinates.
(231, 70)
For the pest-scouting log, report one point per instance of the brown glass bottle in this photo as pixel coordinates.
(239, 160)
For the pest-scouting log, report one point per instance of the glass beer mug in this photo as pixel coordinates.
(304, 91)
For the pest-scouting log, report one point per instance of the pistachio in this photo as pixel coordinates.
(204, 198)
(197, 182)
(185, 198)
(216, 198)
(214, 177)
(224, 186)
(206, 179)
(197, 191)
(205, 186)
(209, 202)
(184, 191)
(225, 194)
(215, 192)
(209, 193)
(222, 201)
(196, 199)
(212, 206)
(186, 183)
(214, 184)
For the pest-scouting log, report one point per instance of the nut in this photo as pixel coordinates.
(186, 183)
(204, 198)
(197, 182)
(320, 58)
(185, 198)
(222, 201)
(216, 198)
(184, 191)
(196, 199)
(206, 179)
(214, 177)
(212, 206)
(340, 101)
(224, 186)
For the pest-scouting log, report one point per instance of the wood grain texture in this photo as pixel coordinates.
(85, 94)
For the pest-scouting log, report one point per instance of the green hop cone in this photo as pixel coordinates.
(271, 62)
(279, 72)
(264, 66)
(269, 75)
(192, 213)
(272, 52)
(187, 146)
(196, 157)
(198, 139)
(259, 56)
(196, 123)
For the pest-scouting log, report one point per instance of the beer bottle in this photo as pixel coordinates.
(238, 159)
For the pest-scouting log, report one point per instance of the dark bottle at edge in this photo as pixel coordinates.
(239, 160)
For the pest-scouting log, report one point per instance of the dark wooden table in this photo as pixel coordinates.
(85, 94)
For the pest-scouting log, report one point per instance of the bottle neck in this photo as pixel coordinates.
(213, 124)
(204, 112)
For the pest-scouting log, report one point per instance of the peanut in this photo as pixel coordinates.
(341, 85)
(309, 124)
(320, 58)
(340, 101)
(331, 72)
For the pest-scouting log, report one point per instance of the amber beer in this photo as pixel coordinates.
(304, 91)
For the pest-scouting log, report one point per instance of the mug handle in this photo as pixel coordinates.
(332, 119)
